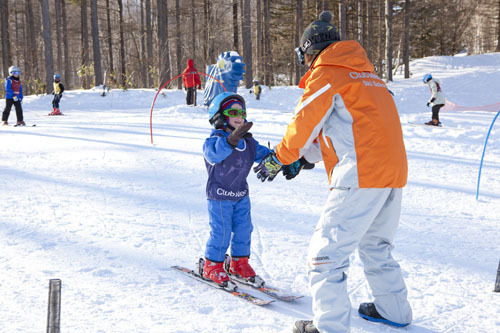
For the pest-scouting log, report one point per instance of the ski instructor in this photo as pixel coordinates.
(347, 118)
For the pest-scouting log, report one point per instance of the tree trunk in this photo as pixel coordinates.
(144, 62)
(343, 20)
(246, 30)
(85, 43)
(47, 43)
(32, 70)
(381, 11)
(149, 42)
(57, 6)
(388, 38)
(361, 29)
(498, 27)
(110, 42)
(406, 52)
(193, 33)
(96, 45)
(369, 29)
(178, 45)
(298, 31)
(163, 55)
(6, 53)
(267, 45)
(67, 63)
(123, 72)
(258, 42)
(235, 25)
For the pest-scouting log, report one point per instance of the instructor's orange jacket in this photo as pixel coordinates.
(347, 118)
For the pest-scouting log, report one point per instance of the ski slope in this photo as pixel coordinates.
(88, 199)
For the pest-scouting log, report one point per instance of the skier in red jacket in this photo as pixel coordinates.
(191, 81)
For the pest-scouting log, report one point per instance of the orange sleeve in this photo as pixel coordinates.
(310, 114)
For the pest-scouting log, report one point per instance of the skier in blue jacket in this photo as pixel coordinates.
(229, 154)
(13, 96)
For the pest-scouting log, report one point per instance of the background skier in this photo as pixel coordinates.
(437, 98)
(257, 89)
(58, 90)
(13, 96)
(347, 118)
(229, 154)
(191, 81)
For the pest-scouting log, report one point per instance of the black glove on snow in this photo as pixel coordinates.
(239, 133)
(292, 170)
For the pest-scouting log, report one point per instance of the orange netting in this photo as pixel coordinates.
(449, 106)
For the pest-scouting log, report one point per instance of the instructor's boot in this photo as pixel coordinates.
(369, 312)
(5, 123)
(20, 123)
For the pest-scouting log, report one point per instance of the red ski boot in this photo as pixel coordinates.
(240, 267)
(56, 112)
(215, 271)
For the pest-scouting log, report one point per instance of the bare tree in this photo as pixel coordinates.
(178, 47)
(163, 55)
(149, 41)
(361, 30)
(67, 63)
(235, 25)
(85, 43)
(57, 7)
(111, 69)
(298, 31)
(47, 42)
(343, 20)
(246, 30)
(123, 71)
(406, 53)
(4, 17)
(267, 45)
(31, 45)
(96, 45)
(388, 38)
(258, 42)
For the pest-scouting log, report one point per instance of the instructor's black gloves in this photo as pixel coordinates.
(292, 170)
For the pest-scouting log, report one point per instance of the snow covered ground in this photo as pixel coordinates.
(87, 198)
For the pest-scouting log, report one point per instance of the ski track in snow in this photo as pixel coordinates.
(86, 198)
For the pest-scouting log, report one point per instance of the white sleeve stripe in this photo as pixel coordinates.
(312, 98)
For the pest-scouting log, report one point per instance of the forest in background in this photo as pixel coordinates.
(143, 43)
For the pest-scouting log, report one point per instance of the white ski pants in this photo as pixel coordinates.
(366, 219)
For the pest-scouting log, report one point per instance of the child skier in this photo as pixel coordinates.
(256, 89)
(58, 90)
(437, 99)
(229, 154)
(13, 96)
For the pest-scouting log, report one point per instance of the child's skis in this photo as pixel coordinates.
(231, 289)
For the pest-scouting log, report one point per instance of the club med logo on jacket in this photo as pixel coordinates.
(237, 194)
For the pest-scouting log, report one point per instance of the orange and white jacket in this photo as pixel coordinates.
(347, 118)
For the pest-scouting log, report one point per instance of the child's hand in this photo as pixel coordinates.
(239, 133)
(268, 168)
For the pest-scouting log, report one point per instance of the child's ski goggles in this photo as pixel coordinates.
(233, 113)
